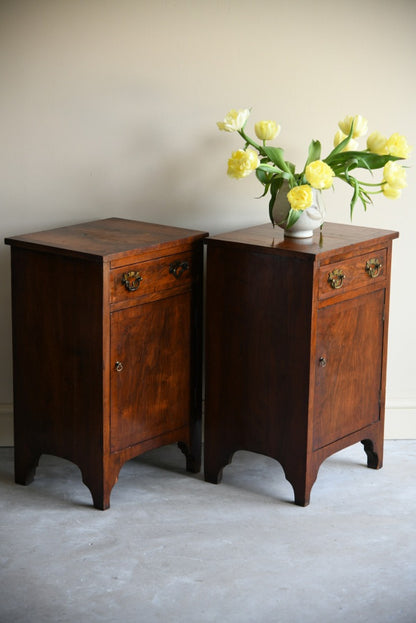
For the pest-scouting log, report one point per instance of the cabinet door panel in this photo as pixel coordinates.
(348, 363)
(150, 394)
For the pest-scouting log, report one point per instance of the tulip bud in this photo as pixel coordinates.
(266, 130)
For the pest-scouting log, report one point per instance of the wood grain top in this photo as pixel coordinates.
(107, 239)
(335, 238)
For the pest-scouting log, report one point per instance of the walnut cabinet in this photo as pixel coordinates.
(106, 346)
(296, 347)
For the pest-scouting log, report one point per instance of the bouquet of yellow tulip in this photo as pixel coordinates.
(272, 168)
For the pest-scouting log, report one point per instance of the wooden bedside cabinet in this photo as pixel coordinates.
(106, 346)
(296, 346)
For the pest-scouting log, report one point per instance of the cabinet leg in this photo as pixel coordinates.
(100, 499)
(213, 474)
(374, 452)
(25, 464)
(100, 484)
(302, 483)
(302, 493)
(193, 457)
(214, 465)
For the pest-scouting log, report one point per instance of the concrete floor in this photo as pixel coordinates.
(173, 548)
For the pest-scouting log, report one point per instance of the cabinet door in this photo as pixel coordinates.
(349, 353)
(150, 375)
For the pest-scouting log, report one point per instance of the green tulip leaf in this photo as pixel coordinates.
(263, 176)
(314, 153)
(292, 217)
(364, 160)
(355, 195)
(275, 154)
(351, 164)
(264, 193)
(291, 166)
(276, 173)
(340, 146)
(275, 186)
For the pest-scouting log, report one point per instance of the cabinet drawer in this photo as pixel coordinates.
(156, 275)
(350, 274)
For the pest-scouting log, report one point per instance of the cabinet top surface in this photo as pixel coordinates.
(108, 239)
(335, 238)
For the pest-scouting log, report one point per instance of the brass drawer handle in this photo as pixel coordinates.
(373, 267)
(336, 278)
(178, 268)
(131, 280)
(118, 366)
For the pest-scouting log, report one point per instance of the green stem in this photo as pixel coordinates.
(347, 180)
(367, 183)
(251, 142)
(374, 192)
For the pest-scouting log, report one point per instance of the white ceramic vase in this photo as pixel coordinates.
(309, 220)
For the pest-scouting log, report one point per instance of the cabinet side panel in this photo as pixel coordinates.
(258, 333)
(57, 354)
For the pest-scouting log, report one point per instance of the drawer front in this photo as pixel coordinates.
(164, 273)
(356, 272)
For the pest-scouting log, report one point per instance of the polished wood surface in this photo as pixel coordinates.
(115, 239)
(347, 387)
(336, 240)
(152, 343)
(292, 371)
(101, 373)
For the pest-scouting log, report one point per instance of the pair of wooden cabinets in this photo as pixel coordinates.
(107, 343)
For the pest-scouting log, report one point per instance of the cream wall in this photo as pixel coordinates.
(109, 108)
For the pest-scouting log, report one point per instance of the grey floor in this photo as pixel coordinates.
(175, 549)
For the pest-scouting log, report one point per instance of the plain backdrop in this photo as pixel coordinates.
(109, 108)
